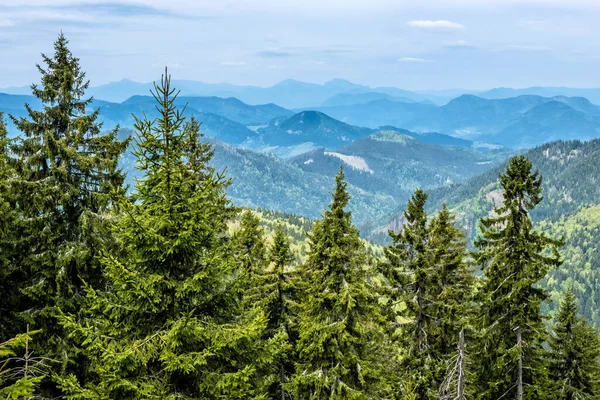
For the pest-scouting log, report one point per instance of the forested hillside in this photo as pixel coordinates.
(168, 290)
(569, 210)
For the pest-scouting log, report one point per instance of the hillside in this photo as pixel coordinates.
(394, 163)
(570, 210)
(310, 127)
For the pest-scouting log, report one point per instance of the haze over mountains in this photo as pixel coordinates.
(283, 144)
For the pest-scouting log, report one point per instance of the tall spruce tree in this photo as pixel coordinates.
(452, 282)
(276, 292)
(451, 305)
(514, 258)
(408, 273)
(66, 176)
(339, 332)
(574, 355)
(10, 276)
(172, 324)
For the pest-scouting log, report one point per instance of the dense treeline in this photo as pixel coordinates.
(145, 294)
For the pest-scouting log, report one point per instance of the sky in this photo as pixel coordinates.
(411, 44)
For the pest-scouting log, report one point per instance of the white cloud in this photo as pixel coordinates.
(439, 24)
(412, 60)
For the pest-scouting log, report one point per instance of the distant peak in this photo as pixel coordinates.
(337, 81)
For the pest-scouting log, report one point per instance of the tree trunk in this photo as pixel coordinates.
(461, 366)
(520, 368)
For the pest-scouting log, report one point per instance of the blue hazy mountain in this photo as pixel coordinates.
(289, 93)
(310, 127)
(348, 99)
(593, 94)
(512, 122)
(225, 119)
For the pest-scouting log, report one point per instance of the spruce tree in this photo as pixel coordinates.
(452, 282)
(574, 355)
(451, 304)
(20, 376)
(10, 276)
(172, 324)
(408, 273)
(67, 174)
(514, 258)
(339, 354)
(250, 246)
(276, 292)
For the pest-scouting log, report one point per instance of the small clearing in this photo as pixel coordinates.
(355, 162)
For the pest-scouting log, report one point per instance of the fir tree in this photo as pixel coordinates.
(66, 176)
(172, 325)
(575, 355)
(514, 258)
(339, 337)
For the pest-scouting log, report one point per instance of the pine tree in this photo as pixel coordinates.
(514, 258)
(172, 324)
(574, 355)
(339, 336)
(66, 176)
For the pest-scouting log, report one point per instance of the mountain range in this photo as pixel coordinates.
(289, 93)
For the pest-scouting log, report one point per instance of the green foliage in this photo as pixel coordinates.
(430, 286)
(19, 376)
(408, 272)
(249, 240)
(66, 176)
(581, 253)
(276, 291)
(514, 259)
(574, 355)
(172, 324)
(10, 275)
(340, 343)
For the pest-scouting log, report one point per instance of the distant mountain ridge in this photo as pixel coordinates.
(288, 93)
(523, 121)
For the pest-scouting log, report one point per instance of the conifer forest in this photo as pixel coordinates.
(130, 269)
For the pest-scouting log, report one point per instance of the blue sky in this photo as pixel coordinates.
(416, 44)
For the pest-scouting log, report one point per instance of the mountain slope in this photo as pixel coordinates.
(310, 126)
(549, 121)
(393, 163)
(502, 121)
(570, 210)
(348, 99)
(230, 108)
